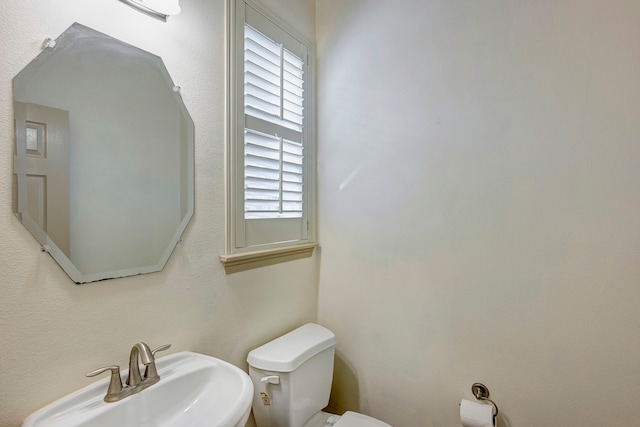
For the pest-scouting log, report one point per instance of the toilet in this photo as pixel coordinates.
(292, 381)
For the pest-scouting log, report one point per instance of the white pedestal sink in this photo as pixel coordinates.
(194, 390)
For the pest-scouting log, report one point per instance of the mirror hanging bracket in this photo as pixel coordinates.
(48, 43)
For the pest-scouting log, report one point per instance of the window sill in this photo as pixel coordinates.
(234, 263)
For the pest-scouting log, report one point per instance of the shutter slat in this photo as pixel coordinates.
(292, 79)
(263, 207)
(292, 186)
(261, 195)
(255, 35)
(262, 62)
(262, 152)
(261, 105)
(298, 72)
(265, 166)
(264, 84)
(293, 89)
(261, 139)
(262, 163)
(293, 98)
(261, 50)
(292, 147)
(263, 95)
(260, 173)
(261, 184)
(256, 70)
(293, 59)
(292, 158)
(290, 106)
(293, 117)
(292, 173)
(292, 206)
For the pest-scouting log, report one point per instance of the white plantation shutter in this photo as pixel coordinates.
(273, 145)
(272, 177)
(273, 81)
(271, 142)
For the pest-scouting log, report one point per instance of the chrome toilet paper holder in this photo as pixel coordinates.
(481, 392)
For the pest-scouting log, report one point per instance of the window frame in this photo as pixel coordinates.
(238, 257)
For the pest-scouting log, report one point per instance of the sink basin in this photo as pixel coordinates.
(194, 390)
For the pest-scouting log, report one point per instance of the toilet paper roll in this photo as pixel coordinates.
(475, 414)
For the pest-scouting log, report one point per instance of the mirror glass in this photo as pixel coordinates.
(103, 160)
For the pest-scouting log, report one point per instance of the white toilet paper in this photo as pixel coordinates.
(476, 414)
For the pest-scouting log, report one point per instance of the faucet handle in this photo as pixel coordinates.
(115, 369)
(161, 348)
(150, 370)
(115, 384)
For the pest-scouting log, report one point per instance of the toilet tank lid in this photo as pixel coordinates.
(286, 353)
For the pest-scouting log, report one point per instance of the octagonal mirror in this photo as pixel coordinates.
(103, 160)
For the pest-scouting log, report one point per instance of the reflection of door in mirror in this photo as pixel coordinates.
(42, 169)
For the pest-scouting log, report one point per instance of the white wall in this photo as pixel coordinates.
(479, 166)
(52, 331)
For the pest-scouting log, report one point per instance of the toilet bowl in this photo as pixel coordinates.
(292, 381)
(348, 419)
(354, 419)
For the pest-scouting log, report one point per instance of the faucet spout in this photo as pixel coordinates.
(142, 351)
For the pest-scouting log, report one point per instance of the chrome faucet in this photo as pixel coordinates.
(135, 383)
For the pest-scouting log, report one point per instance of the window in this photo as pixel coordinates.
(270, 130)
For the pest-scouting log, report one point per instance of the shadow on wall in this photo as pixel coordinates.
(503, 421)
(345, 390)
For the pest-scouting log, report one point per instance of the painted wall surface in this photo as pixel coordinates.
(479, 165)
(52, 331)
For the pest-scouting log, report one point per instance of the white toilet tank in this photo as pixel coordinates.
(292, 376)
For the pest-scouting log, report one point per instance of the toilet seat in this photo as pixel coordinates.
(354, 419)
